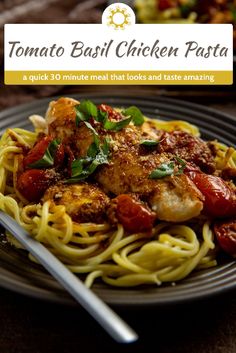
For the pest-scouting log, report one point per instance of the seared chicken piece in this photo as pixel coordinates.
(173, 198)
(178, 199)
(83, 202)
(60, 118)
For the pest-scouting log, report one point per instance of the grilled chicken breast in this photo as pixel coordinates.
(60, 118)
(173, 198)
(83, 202)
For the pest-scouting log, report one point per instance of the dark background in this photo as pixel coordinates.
(31, 326)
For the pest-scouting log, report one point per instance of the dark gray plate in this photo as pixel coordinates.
(19, 274)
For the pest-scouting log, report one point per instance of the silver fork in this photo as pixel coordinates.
(106, 317)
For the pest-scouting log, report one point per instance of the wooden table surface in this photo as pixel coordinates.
(31, 326)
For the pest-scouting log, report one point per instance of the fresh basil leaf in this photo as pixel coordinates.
(85, 110)
(116, 125)
(76, 167)
(80, 116)
(162, 171)
(102, 116)
(84, 167)
(45, 162)
(149, 143)
(48, 158)
(100, 159)
(88, 108)
(135, 114)
(82, 174)
(106, 146)
(93, 148)
(53, 147)
(89, 126)
(183, 165)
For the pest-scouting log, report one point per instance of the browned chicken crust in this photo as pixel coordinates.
(83, 202)
(178, 199)
(61, 125)
(173, 198)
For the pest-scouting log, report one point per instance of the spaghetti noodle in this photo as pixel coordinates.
(105, 250)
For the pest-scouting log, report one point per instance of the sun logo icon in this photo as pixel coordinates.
(118, 17)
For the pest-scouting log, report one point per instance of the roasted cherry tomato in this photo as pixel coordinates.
(33, 183)
(220, 199)
(133, 215)
(226, 235)
(37, 151)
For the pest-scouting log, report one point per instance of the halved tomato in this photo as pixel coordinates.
(225, 232)
(33, 183)
(37, 152)
(133, 215)
(220, 199)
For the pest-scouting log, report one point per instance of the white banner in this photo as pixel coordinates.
(139, 47)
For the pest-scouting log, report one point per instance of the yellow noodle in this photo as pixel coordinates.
(92, 276)
(119, 259)
(175, 125)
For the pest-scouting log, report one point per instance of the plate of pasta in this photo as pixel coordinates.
(136, 196)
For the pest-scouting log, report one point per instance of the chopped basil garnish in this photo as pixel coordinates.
(48, 158)
(77, 167)
(93, 148)
(116, 125)
(111, 125)
(97, 153)
(167, 169)
(183, 165)
(102, 116)
(106, 147)
(82, 168)
(162, 171)
(87, 109)
(89, 126)
(135, 114)
(149, 143)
